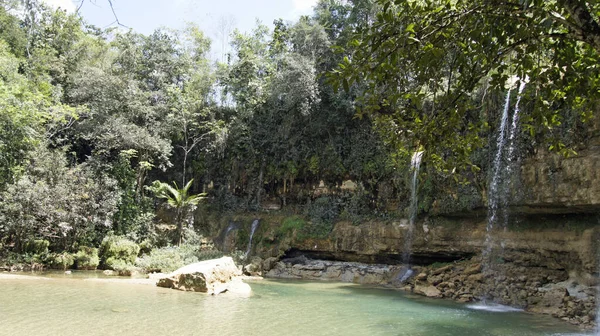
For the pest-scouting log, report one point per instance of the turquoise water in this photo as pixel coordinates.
(77, 305)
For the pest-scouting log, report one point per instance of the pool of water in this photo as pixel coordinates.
(77, 305)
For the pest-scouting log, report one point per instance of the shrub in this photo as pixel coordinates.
(209, 254)
(146, 246)
(322, 213)
(290, 224)
(37, 247)
(67, 204)
(123, 268)
(166, 259)
(117, 250)
(87, 258)
(61, 261)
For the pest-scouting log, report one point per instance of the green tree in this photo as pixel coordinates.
(427, 69)
(29, 112)
(192, 123)
(179, 199)
(67, 206)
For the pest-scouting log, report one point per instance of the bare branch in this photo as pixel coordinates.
(112, 8)
(79, 6)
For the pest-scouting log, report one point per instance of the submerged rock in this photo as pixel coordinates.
(211, 276)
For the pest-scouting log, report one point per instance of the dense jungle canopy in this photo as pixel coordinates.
(90, 117)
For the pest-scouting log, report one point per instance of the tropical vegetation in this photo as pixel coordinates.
(89, 117)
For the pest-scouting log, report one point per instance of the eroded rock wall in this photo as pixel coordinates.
(547, 263)
(555, 184)
(559, 242)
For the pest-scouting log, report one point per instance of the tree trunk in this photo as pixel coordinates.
(185, 155)
(179, 219)
(284, 190)
(584, 27)
(259, 187)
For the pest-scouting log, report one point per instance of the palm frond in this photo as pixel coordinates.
(176, 198)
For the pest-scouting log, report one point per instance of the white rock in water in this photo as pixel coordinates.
(239, 288)
(211, 276)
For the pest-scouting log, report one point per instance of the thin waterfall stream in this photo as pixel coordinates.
(513, 130)
(223, 236)
(500, 185)
(495, 187)
(510, 163)
(415, 164)
(252, 230)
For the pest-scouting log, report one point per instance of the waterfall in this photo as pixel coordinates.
(514, 129)
(254, 226)
(500, 186)
(229, 228)
(415, 164)
(494, 189)
(223, 236)
(503, 195)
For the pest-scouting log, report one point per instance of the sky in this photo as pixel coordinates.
(144, 16)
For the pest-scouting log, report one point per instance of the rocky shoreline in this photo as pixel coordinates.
(548, 292)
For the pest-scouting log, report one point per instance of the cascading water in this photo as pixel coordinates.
(495, 187)
(415, 165)
(500, 186)
(229, 228)
(223, 237)
(509, 166)
(513, 130)
(252, 230)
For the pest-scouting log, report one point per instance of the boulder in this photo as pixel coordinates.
(473, 269)
(254, 268)
(421, 277)
(429, 291)
(475, 277)
(441, 270)
(210, 276)
(239, 288)
(269, 263)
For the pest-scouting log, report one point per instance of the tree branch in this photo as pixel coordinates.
(112, 8)
(585, 27)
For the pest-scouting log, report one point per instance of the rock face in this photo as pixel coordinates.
(555, 184)
(210, 276)
(303, 268)
(543, 256)
(535, 289)
(538, 290)
(548, 262)
(566, 243)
